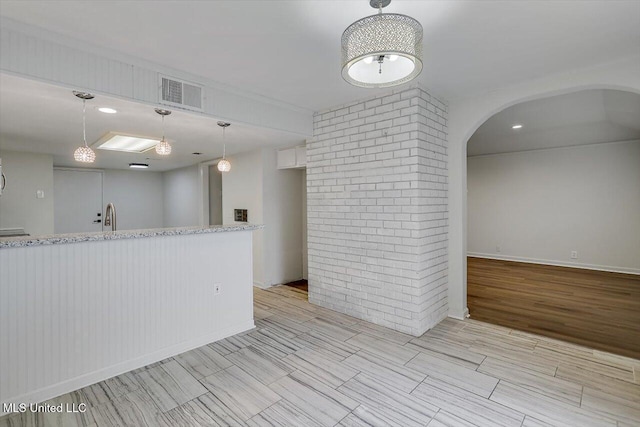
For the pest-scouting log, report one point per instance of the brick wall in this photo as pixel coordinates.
(377, 210)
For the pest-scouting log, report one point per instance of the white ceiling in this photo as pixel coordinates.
(290, 50)
(585, 117)
(41, 118)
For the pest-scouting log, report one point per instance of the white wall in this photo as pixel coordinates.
(19, 208)
(182, 197)
(215, 196)
(541, 205)
(305, 249)
(77, 64)
(138, 197)
(466, 115)
(282, 198)
(242, 189)
(274, 198)
(143, 199)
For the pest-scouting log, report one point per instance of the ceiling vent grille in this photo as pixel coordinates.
(180, 94)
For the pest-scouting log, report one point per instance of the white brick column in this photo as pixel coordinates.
(377, 210)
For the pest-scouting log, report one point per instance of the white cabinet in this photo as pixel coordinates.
(301, 156)
(287, 158)
(293, 157)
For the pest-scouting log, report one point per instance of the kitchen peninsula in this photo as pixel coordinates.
(76, 309)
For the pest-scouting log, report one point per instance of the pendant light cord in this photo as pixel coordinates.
(84, 121)
(163, 127)
(224, 144)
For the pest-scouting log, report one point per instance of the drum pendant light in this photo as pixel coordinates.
(382, 50)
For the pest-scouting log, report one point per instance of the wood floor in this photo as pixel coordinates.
(302, 285)
(592, 308)
(308, 366)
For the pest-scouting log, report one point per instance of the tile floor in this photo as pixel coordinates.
(307, 366)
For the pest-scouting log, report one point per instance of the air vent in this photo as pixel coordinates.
(181, 94)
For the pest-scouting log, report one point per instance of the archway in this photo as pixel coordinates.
(466, 116)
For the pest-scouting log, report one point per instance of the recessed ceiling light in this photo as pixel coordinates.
(516, 127)
(107, 110)
(138, 165)
(126, 143)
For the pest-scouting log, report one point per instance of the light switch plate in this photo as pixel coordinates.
(40, 194)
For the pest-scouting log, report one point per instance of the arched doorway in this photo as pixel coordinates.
(467, 115)
(553, 219)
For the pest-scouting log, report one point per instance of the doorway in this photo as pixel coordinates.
(215, 196)
(551, 187)
(77, 203)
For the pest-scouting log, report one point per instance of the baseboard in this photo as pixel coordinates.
(85, 380)
(464, 314)
(260, 285)
(607, 268)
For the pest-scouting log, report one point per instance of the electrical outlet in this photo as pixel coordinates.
(217, 288)
(574, 254)
(498, 248)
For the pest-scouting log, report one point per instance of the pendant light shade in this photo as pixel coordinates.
(382, 50)
(163, 147)
(224, 165)
(84, 154)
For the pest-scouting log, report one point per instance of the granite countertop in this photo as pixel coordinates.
(57, 239)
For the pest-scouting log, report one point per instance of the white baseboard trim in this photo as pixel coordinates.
(608, 268)
(79, 382)
(260, 285)
(459, 315)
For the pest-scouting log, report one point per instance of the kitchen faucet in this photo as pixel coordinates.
(110, 216)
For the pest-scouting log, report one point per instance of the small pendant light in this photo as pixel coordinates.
(163, 147)
(224, 165)
(83, 153)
